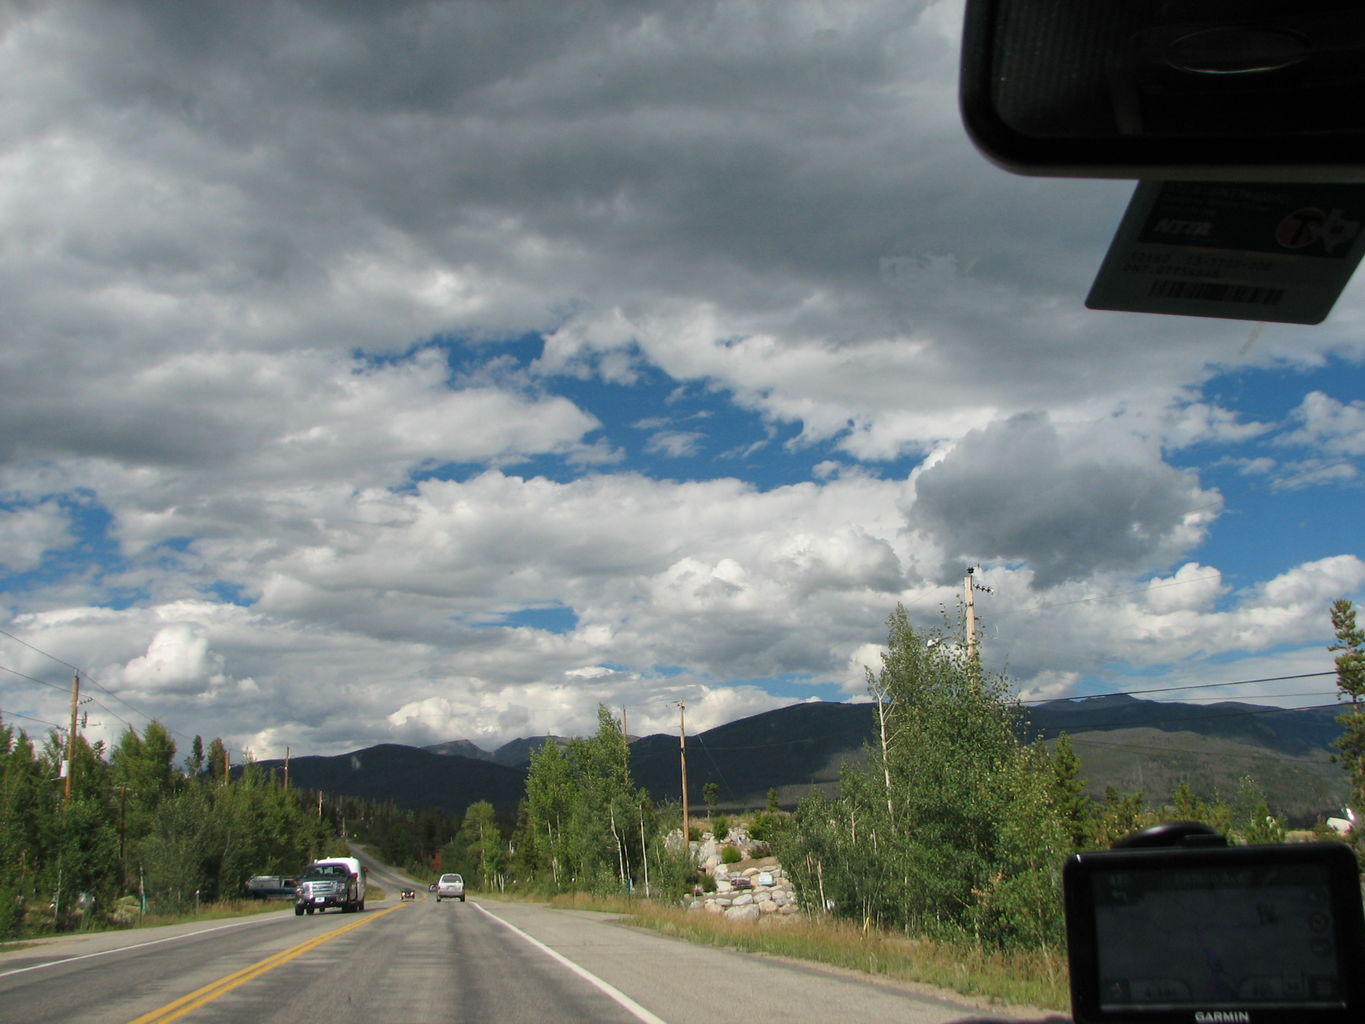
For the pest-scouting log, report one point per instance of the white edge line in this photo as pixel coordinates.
(124, 949)
(610, 990)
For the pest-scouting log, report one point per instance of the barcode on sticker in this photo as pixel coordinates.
(1209, 292)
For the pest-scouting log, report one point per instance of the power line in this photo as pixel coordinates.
(39, 650)
(1173, 689)
(41, 721)
(89, 680)
(1219, 716)
(1272, 696)
(1119, 693)
(64, 689)
(32, 679)
(711, 758)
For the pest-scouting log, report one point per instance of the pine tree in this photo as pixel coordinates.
(1073, 807)
(1350, 663)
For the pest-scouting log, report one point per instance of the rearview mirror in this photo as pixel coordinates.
(1226, 90)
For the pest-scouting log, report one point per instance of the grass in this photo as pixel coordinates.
(206, 912)
(1034, 979)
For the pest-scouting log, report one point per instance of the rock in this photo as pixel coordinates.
(755, 893)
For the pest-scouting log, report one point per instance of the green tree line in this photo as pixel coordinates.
(955, 827)
(136, 830)
(958, 824)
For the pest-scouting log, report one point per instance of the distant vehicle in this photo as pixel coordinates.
(271, 887)
(450, 887)
(331, 882)
(408, 894)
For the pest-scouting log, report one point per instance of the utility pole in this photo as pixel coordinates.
(970, 605)
(969, 586)
(286, 769)
(682, 761)
(71, 737)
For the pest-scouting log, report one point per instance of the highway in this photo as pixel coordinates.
(424, 963)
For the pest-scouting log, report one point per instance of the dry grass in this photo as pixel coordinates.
(129, 917)
(1034, 979)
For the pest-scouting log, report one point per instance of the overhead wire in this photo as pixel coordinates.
(724, 781)
(86, 678)
(31, 718)
(1173, 689)
(34, 679)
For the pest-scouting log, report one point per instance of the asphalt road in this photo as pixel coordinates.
(424, 963)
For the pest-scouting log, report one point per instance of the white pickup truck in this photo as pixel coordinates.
(331, 882)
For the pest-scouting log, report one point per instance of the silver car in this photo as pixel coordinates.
(450, 887)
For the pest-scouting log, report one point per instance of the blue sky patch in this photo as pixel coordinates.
(552, 619)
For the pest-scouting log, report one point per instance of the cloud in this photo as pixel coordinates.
(1333, 427)
(1068, 503)
(330, 330)
(1193, 587)
(29, 532)
(177, 657)
(675, 444)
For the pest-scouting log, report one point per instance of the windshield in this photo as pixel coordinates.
(551, 439)
(604, 324)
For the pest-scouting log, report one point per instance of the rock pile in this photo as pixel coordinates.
(748, 894)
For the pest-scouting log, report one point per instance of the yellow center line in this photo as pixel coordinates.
(210, 992)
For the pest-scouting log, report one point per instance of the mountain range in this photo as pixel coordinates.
(1132, 744)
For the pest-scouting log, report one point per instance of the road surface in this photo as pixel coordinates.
(426, 963)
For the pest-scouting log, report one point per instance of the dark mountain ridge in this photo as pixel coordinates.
(409, 777)
(797, 748)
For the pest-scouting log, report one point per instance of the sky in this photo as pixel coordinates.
(409, 372)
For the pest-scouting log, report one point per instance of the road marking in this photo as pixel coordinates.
(137, 945)
(608, 989)
(210, 992)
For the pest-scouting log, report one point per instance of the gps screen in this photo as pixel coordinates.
(1228, 936)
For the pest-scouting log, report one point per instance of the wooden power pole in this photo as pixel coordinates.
(969, 605)
(969, 586)
(682, 761)
(71, 737)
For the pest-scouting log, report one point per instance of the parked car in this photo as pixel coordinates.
(271, 887)
(450, 887)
